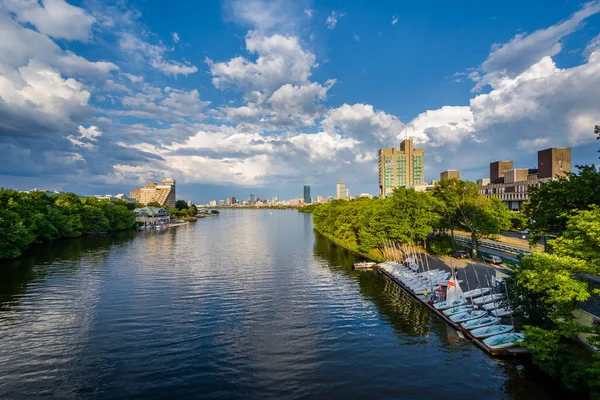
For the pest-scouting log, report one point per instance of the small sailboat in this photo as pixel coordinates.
(477, 292)
(504, 341)
(480, 322)
(501, 312)
(487, 298)
(454, 295)
(467, 315)
(458, 309)
(492, 306)
(492, 330)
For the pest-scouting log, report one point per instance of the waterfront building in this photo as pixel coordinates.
(511, 185)
(213, 203)
(189, 203)
(307, 199)
(450, 174)
(402, 167)
(152, 215)
(340, 191)
(252, 200)
(162, 193)
(221, 203)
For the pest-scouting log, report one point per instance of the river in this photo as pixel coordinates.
(249, 304)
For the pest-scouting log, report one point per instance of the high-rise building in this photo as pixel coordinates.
(162, 193)
(497, 169)
(512, 185)
(553, 162)
(404, 167)
(252, 199)
(450, 174)
(221, 202)
(213, 203)
(307, 194)
(340, 191)
(347, 193)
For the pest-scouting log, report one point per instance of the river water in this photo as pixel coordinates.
(249, 304)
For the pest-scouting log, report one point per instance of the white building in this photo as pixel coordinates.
(340, 192)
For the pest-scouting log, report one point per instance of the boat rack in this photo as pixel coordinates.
(510, 352)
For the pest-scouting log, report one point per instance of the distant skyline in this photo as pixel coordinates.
(253, 96)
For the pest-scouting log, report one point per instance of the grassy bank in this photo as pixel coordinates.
(373, 255)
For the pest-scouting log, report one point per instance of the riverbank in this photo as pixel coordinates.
(340, 243)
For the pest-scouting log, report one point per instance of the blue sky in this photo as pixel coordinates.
(239, 97)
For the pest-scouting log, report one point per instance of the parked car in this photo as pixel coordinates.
(524, 232)
(492, 259)
(460, 254)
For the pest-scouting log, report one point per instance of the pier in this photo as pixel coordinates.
(507, 352)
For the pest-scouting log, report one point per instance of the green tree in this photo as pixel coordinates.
(181, 205)
(464, 207)
(14, 235)
(154, 204)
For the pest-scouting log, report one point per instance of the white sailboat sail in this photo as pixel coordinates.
(454, 293)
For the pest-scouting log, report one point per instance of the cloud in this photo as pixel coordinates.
(175, 37)
(524, 50)
(361, 121)
(154, 54)
(332, 19)
(54, 18)
(281, 59)
(394, 20)
(265, 16)
(91, 132)
(356, 38)
(309, 12)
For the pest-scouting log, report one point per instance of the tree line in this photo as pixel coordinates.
(27, 218)
(412, 217)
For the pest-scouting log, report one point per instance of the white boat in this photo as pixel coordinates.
(492, 306)
(479, 322)
(454, 295)
(501, 312)
(477, 292)
(364, 265)
(487, 298)
(467, 315)
(442, 305)
(459, 309)
(504, 341)
(491, 330)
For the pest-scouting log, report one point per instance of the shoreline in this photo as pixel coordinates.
(344, 246)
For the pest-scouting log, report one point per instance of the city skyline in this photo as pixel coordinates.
(233, 97)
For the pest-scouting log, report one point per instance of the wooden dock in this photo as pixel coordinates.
(510, 352)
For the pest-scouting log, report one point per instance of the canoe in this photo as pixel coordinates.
(487, 298)
(501, 312)
(492, 330)
(479, 322)
(456, 310)
(504, 341)
(442, 305)
(477, 292)
(467, 315)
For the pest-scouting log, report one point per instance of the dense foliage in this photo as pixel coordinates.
(409, 216)
(183, 210)
(35, 217)
(547, 288)
(462, 206)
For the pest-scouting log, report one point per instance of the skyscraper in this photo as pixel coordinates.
(340, 191)
(404, 167)
(252, 201)
(307, 194)
(162, 193)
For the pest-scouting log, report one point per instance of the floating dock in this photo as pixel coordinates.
(510, 352)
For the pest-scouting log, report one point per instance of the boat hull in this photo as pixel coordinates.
(492, 330)
(504, 341)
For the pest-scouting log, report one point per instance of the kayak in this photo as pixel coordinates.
(488, 298)
(454, 310)
(442, 305)
(477, 292)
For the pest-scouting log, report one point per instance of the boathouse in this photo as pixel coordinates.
(152, 215)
